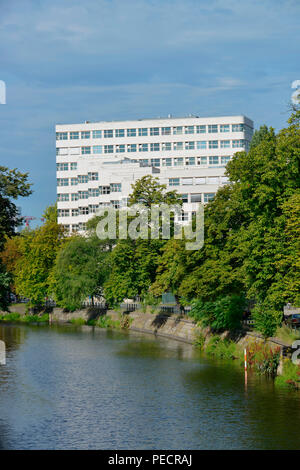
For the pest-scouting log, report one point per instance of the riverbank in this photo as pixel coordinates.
(264, 356)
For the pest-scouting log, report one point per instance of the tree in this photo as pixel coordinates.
(13, 184)
(80, 270)
(147, 191)
(38, 249)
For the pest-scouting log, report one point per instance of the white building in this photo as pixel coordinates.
(97, 162)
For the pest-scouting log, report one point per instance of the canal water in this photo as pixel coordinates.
(67, 387)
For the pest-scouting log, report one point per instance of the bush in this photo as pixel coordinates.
(266, 320)
(225, 313)
(290, 376)
(223, 349)
(78, 321)
(263, 358)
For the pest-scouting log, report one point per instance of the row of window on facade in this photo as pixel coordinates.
(153, 147)
(92, 208)
(152, 131)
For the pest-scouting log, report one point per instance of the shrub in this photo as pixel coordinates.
(78, 321)
(223, 349)
(262, 358)
(266, 319)
(225, 313)
(290, 376)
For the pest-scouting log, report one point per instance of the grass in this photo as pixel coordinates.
(290, 377)
(287, 334)
(78, 321)
(15, 317)
(223, 349)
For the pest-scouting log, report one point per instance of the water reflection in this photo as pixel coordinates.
(79, 387)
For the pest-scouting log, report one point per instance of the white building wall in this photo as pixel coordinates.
(111, 168)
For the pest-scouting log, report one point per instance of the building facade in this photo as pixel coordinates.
(98, 162)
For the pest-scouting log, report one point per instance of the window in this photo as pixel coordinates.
(201, 144)
(63, 212)
(75, 227)
(104, 189)
(62, 151)
(190, 161)
(62, 166)
(154, 130)
(97, 134)
(224, 128)
(97, 149)
(178, 145)
(202, 160)
(213, 180)
(173, 181)
(154, 147)
(201, 129)
(213, 160)
(178, 161)
(212, 128)
(187, 181)
(177, 130)
(74, 150)
(131, 148)
(225, 144)
(74, 135)
(167, 162)
(85, 150)
(83, 194)
(200, 180)
(74, 181)
(166, 131)
(238, 143)
(184, 197)
(62, 181)
(82, 179)
(74, 212)
(63, 197)
(144, 162)
(84, 210)
(155, 162)
(143, 131)
(166, 146)
(93, 176)
(196, 197)
(183, 217)
(237, 127)
(189, 130)
(93, 208)
(115, 187)
(225, 160)
(189, 145)
(108, 148)
(73, 166)
(120, 148)
(61, 136)
(224, 179)
(93, 192)
(131, 132)
(143, 148)
(213, 144)
(208, 196)
(108, 133)
(85, 134)
(74, 197)
(81, 226)
(120, 133)
(115, 204)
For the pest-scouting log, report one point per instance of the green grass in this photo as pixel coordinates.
(15, 317)
(287, 334)
(290, 377)
(223, 349)
(78, 321)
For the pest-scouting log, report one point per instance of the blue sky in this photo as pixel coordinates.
(69, 61)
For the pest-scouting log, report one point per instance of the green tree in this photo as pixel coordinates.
(38, 249)
(80, 270)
